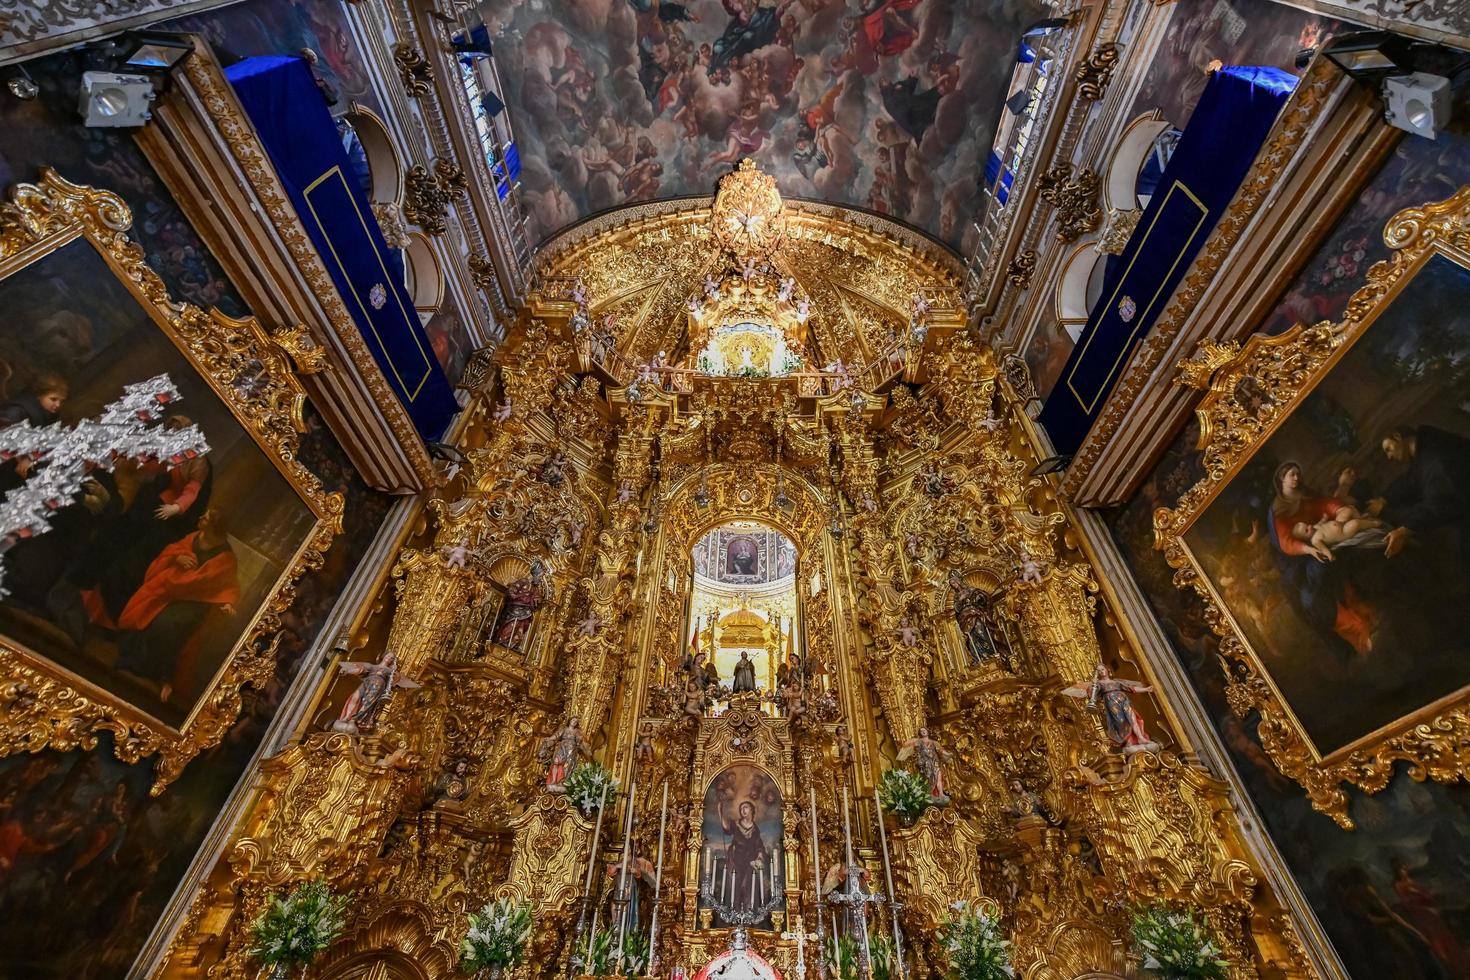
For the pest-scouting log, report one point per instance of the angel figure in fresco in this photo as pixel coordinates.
(1125, 727)
(560, 751)
(929, 758)
(378, 683)
(522, 598)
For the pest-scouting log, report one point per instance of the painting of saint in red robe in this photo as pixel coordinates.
(193, 583)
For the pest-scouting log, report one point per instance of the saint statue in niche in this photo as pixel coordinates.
(741, 556)
(929, 758)
(379, 680)
(1125, 727)
(559, 752)
(522, 598)
(744, 674)
(971, 610)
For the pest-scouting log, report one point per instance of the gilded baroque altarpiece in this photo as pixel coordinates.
(939, 599)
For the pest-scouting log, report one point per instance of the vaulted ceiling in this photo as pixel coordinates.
(889, 106)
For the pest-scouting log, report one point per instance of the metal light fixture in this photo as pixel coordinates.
(1417, 103)
(1052, 464)
(1369, 54)
(112, 100)
(22, 86)
(152, 51)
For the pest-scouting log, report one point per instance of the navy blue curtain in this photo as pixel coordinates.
(295, 125)
(1215, 152)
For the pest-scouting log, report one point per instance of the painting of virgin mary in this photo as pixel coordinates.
(1339, 546)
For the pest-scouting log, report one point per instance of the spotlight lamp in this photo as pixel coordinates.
(1417, 103)
(1052, 464)
(112, 100)
(152, 51)
(1369, 55)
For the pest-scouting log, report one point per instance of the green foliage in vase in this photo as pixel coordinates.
(584, 786)
(975, 945)
(598, 958)
(1176, 945)
(497, 936)
(294, 928)
(904, 794)
(840, 955)
(883, 958)
(635, 954)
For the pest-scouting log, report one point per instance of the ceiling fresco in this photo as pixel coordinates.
(890, 106)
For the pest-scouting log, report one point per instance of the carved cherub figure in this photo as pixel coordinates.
(907, 635)
(1029, 568)
(456, 555)
(502, 411)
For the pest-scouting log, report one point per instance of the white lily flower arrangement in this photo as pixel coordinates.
(975, 945)
(292, 929)
(497, 936)
(1177, 946)
(584, 786)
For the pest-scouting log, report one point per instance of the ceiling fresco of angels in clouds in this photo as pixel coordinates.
(889, 105)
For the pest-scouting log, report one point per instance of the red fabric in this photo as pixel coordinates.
(214, 581)
(184, 483)
(887, 32)
(1355, 618)
(1309, 511)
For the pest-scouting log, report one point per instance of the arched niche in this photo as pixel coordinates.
(385, 169)
(1129, 157)
(1078, 287)
(422, 275)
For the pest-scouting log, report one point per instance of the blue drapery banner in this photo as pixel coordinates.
(1215, 152)
(296, 128)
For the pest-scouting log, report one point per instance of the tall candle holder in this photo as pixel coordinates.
(741, 919)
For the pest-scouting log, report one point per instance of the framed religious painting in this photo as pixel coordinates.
(156, 517)
(1330, 535)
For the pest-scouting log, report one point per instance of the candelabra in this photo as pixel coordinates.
(740, 918)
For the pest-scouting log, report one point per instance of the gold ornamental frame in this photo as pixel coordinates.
(1279, 372)
(44, 705)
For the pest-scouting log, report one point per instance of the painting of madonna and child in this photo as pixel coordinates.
(1342, 548)
(741, 862)
(149, 573)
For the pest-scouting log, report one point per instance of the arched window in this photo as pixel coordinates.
(1145, 146)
